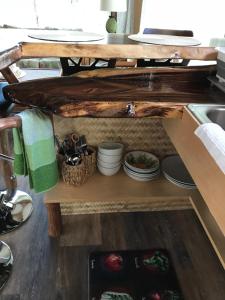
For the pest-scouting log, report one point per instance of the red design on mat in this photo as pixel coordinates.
(113, 262)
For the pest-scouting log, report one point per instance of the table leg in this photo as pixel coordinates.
(54, 219)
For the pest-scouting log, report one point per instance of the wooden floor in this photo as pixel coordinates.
(48, 269)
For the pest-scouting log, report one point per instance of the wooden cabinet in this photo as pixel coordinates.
(206, 174)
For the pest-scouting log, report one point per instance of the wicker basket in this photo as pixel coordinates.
(77, 175)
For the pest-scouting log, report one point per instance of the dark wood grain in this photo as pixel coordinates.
(117, 46)
(9, 55)
(107, 93)
(9, 75)
(54, 219)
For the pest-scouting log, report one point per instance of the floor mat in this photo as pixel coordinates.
(133, 275)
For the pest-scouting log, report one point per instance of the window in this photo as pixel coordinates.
(204, 18)
(64, 14)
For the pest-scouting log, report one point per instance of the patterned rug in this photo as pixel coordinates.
(133, 275)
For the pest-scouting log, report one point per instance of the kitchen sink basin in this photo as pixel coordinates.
(206, 113)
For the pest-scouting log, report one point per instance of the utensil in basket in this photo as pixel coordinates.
(83, 145)
(75, 158)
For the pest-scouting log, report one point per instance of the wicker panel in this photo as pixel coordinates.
(125, 206)
(143, 134)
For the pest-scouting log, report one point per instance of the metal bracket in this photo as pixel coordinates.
(131, 110)
(6, 157)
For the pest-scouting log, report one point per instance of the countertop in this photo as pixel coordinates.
(15, 44)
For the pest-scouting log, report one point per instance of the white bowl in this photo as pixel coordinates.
(110, 148)
(140, 178)
(108, 164)
(152, 162)
(112, 159)
(108, 171)
(142, 175)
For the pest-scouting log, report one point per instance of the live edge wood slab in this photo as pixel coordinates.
(131, 92)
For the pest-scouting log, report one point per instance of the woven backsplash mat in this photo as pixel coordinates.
(143, 134)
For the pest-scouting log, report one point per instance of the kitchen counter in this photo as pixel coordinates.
(161, 92)
(158, 92)
(15, 44)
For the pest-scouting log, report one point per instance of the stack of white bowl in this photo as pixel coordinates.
(141, 165)
(109, 158)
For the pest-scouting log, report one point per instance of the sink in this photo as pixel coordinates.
(217, 115)
(207, 113)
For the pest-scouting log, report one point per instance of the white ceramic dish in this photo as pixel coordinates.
(111, 159)
(184, 186)
(174, 167)
(161, 39)
(141, 175)
(108, 171)
(108, 164)
(140, 156)
(110, 148)
(177, 181)
(67, 36)
(144, 179)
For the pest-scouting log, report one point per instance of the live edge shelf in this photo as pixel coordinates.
(119, 93)
(117, 193)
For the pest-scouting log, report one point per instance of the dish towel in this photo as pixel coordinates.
(34, 150)
(213, 138)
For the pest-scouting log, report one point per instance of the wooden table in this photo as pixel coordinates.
(15, 44)
(163, 93)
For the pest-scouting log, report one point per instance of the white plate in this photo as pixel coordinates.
(140, 178)
(189, 187)
(174, 167)
(141, 175)
(161, 39)
(177, 181)
(67, 36)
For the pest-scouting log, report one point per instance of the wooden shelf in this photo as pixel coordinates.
(210, 226)
(121, 193)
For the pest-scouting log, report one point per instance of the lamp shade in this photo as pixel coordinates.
(114, 5)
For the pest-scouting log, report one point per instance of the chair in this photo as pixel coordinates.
(166, 62)
(12, 201)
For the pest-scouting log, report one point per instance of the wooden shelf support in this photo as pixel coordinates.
(54, 219)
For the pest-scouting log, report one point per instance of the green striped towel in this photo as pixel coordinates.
(34, 150)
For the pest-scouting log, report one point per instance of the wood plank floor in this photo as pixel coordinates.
(48, 269)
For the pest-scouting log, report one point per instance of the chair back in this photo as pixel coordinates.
(166, 62)
(176, 32)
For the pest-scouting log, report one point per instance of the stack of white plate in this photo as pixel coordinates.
(109, 158)
(141, 165)
(175, 171)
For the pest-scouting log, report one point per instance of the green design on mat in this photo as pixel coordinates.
(142, 161)
(115, 296)
(172, 295)
(159, 260)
